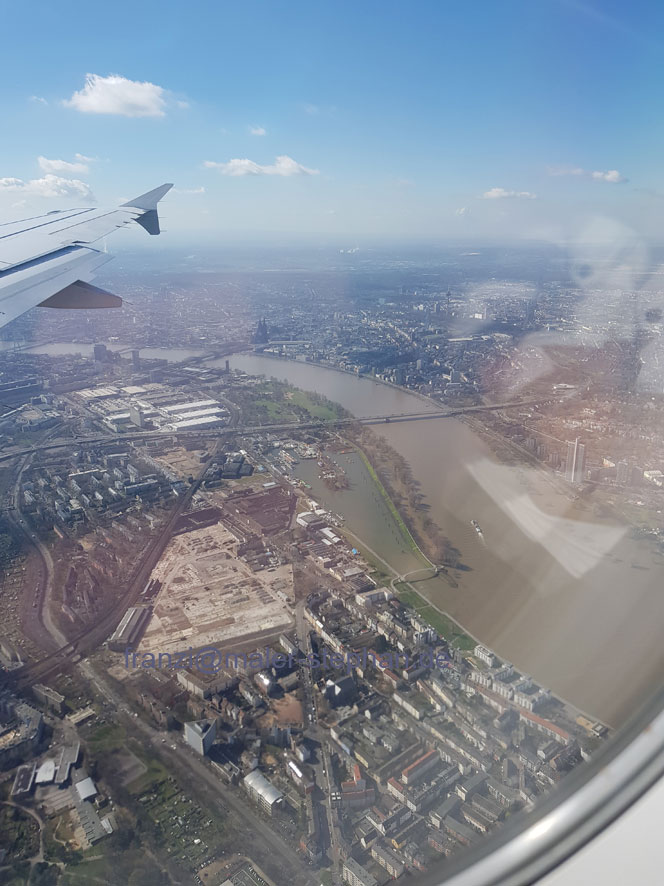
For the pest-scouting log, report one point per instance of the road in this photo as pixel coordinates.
(197, 772)
(233, 430)
(323, 767)
(203, 781)
(43, 592)
(90, 638)
(407, 577)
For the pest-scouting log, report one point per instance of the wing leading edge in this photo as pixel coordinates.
(47, 260)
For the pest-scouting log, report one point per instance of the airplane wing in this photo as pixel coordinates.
(47, 260)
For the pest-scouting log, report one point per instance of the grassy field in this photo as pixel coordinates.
(178, 823)
(277, 412)
(445, 626)
(156, 773)
(104, 863)
(324, 411)
(153, 812)
(396, 516)
(274, 402)
(409, 597)
(107, 738)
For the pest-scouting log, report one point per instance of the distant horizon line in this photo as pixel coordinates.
(345, 243)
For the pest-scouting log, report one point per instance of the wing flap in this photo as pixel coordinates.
(82, 295)
(149, 221)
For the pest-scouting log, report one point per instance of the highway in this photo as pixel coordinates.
(235, 430)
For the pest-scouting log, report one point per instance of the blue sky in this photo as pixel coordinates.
(523, 118)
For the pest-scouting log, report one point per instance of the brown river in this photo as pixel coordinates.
(573, 601)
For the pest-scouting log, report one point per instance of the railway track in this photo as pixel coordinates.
(91, 637)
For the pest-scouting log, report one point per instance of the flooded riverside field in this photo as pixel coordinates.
(572, 600)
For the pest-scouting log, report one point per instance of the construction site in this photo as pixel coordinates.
(209, 595)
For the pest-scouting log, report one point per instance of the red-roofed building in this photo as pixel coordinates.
(420, 767)
(545, 726)
(355, 793)
(391, 677)
(396, 789)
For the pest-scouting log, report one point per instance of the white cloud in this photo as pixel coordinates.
(612, 175)
(566, 170)
(502, 194)
(200, 190)
(48, 186)
(118, 95)
(182, 104)
(80, 167)
(11, 184)
(316, 110)
(39, 99)
(257, 130)
(284, 166)
(463, 210)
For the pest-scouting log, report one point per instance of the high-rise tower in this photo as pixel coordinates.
(576, 456)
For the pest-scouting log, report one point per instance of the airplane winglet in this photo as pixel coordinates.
(147, 203)
(150, 199)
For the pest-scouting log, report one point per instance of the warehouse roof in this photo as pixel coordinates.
(257, 782)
